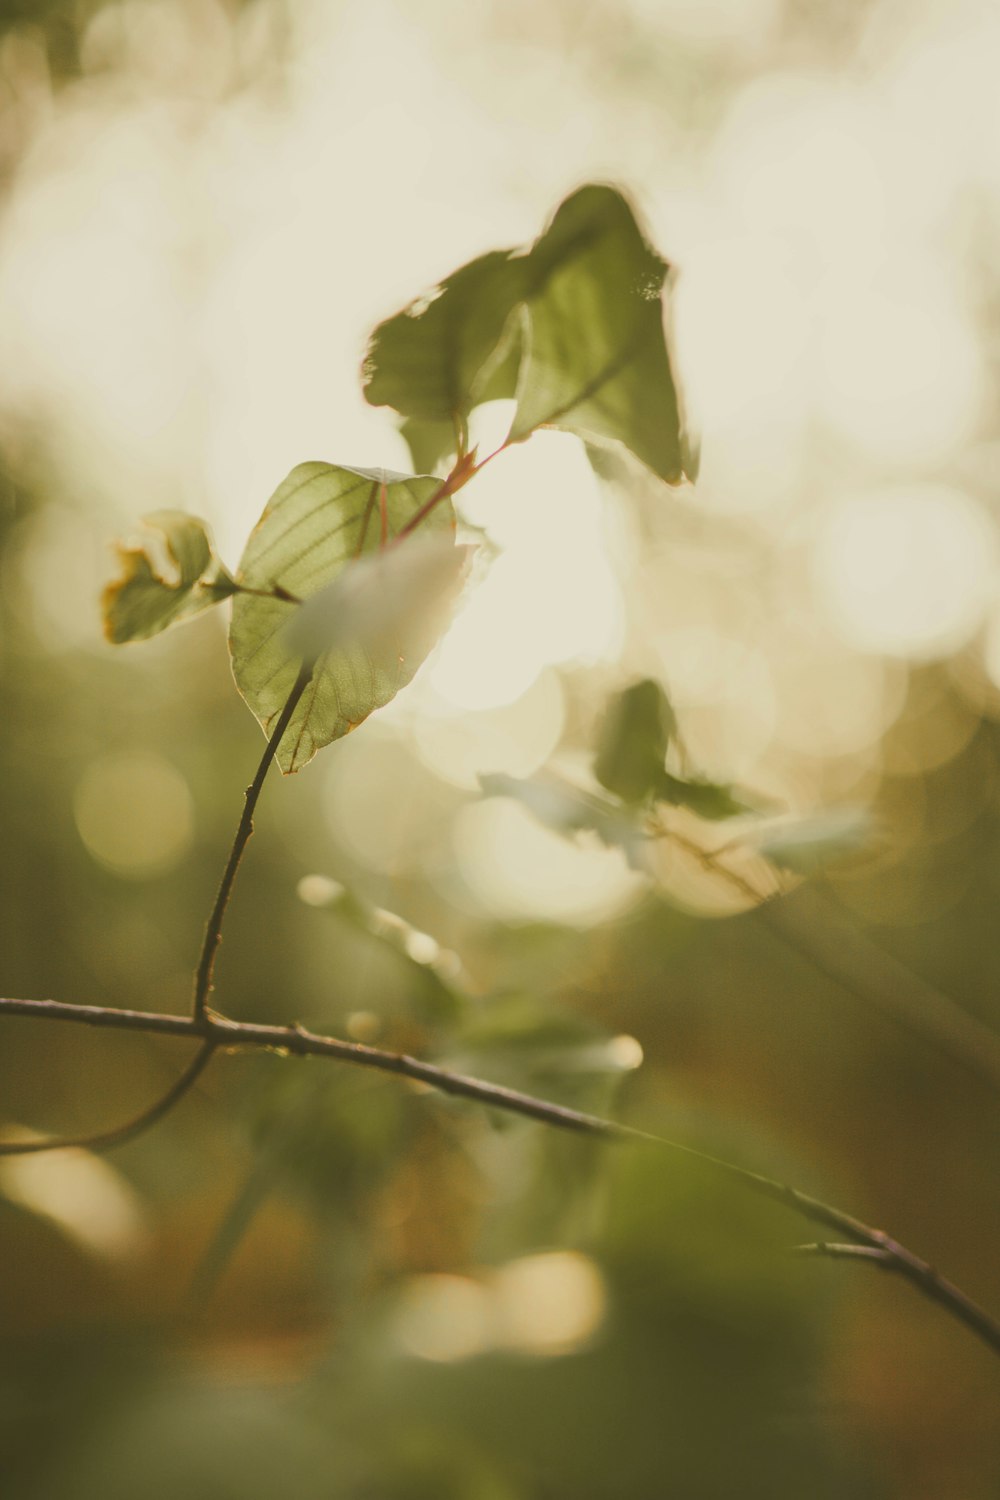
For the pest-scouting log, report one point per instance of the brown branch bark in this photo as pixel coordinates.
(213, 931)
(220, 1032)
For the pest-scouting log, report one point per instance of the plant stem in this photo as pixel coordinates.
(213, 931)
(888, 1253)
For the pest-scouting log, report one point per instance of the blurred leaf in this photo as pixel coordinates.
(709, 799)
(805, 845)
(569, 810)
(319, 521)
(525, 1042)
(155, 591)
(447, 351)
(554, 802)
(632, 744)
(437, 972)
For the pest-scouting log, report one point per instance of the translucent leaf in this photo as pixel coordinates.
(596, 360)
(805, 845)
(318, 522)
(633, 741)
(571, 327)
(174, 576)
(447, 351)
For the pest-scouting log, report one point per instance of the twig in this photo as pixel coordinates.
(213, 931)
(105, 1140)
(891, 1256)
(300, 1042)
(872, 1253)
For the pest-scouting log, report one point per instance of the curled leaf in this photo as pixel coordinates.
(172, 577)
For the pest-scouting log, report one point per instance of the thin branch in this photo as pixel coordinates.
(213, 931)
(465, 468)
(300, 1042)
(105, 1140)
(871, 1253)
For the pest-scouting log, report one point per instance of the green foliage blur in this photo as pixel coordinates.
(317, 1281)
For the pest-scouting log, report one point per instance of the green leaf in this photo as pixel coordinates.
(447, 351)
(709, 799)
(596, 361)
(522, 1041)
(430, 443)
(319, 522)
(439, 986)
(633, 740)
(572, 328)
(174, 576)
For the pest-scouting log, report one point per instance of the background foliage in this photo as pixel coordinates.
(207, 207)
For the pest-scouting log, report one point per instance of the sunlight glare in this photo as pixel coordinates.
(552, 595)
(899, 364)
(797, 158)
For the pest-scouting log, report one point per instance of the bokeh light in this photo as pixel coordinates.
(88, 1199)
(134, 814)
(517, 870)
(907, 571)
